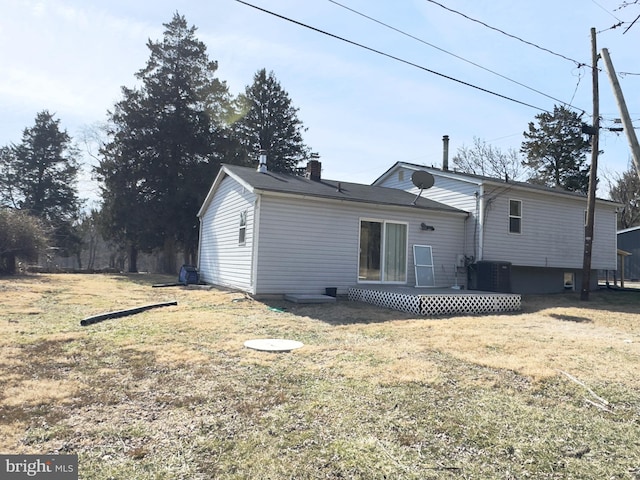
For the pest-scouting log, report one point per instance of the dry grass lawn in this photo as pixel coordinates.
(172, 393)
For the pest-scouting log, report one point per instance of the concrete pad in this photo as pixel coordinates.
(298, 298)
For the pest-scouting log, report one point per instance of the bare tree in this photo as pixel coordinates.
(625, 188)
(486, 160)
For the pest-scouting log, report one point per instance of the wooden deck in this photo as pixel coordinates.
(435, 301)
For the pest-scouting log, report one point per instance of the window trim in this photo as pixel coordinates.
(519, 217)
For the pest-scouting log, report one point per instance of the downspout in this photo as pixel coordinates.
(480, 209)
(254, 244)
(464, 242)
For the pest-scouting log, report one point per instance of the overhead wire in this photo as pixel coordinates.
(607, 11)
(450, 53)
(631, 25)
(612, 27)
(575, 91)
(579, 64)
(388, 55)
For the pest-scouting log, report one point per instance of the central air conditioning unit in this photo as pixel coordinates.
(490, 276)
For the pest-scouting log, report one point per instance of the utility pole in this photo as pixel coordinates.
(624, 112)
(593, 174)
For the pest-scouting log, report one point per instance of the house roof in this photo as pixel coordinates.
(481, 179)
(627, 230)
(328, 189)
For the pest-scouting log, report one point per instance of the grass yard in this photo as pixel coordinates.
(172, 393)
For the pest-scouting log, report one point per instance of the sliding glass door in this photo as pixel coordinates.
(383, 252)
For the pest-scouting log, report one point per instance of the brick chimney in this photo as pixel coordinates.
(314, 168)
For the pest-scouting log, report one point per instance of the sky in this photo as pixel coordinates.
(363, 111)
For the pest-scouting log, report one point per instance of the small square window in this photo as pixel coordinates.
(515, 216)
(569, 281)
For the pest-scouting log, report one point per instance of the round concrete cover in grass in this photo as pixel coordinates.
(273, 344)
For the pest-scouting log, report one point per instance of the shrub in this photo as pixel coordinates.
(21, 236)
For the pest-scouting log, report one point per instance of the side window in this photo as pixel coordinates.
(242, 231)
(515, 216)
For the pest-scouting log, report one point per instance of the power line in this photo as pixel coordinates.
(627, 29)
(596, 3)
(577, 85)
(448, 53)
(393, 57)
(612, 27)
(579, 64)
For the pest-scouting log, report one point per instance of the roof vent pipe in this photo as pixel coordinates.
(445, 152)
(262, 162)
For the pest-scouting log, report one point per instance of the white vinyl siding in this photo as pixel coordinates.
(450, 191)
(552, 226)
(455, 192)
(307, 245)
(224, 260)
(554, 233)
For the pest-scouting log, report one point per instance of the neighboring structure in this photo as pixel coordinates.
(629, 241)
(269, 233)
(531, 234)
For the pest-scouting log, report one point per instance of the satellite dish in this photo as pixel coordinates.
(422, 179)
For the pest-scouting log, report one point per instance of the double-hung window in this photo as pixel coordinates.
(515, 216)
(242, 230)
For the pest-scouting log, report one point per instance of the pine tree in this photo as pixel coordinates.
(270, 122)
(165, 146)
(39, 177)
(556, 150)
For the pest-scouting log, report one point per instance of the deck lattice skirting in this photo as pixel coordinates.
(440, 303)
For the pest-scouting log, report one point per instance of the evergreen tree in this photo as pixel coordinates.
(39, 176)
(556, 150)
(164, 148)
(269, 122)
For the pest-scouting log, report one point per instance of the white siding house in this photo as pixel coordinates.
(538, 230)
(304, 235)
(224, 257)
